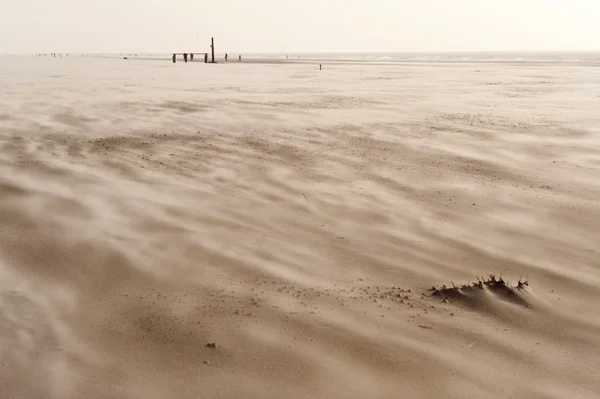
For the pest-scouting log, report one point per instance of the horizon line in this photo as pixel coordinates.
(318, 52)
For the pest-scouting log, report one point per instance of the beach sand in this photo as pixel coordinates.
(298, 219)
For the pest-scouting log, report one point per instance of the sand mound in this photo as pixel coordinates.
(471, 293)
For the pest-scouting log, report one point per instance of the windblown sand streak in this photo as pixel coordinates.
(298, 218)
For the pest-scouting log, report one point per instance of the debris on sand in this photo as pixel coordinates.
(494, 284)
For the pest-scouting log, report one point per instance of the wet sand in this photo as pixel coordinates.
(298, 219)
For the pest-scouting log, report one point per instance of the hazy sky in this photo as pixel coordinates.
(297, 25)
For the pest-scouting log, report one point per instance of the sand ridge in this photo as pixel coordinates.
(297, 219)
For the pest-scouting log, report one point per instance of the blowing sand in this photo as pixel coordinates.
(297, 219)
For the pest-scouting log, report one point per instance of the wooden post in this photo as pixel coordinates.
(212, 49)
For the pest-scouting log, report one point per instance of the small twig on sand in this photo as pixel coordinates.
(305, 197)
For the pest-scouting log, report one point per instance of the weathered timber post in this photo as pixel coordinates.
(205, 58)
(212, 49)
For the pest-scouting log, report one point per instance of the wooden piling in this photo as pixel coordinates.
(212, 49)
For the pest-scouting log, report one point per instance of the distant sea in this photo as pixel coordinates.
(443, 56)
(541, 57)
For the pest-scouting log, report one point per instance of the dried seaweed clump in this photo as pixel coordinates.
(497, 284)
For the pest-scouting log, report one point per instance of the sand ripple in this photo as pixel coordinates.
(298, 219)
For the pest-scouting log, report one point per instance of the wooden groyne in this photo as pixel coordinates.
(190, 56)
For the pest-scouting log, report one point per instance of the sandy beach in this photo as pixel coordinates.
(299, 220)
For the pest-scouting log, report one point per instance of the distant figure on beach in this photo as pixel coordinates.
(205, 58)
(184, 57)
(320, 67)
(191, 57)
(225, 57)
(240, 58)
(174, 58)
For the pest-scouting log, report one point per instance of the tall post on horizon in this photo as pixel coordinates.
(212, 49)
